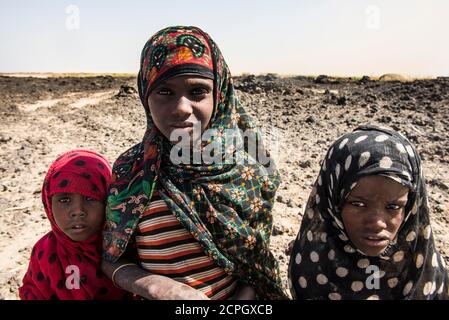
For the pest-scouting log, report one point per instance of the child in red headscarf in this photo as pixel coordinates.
(65, 263)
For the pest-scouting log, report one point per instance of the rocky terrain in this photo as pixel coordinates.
(43, 117)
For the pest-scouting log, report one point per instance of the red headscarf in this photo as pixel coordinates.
(56, 259)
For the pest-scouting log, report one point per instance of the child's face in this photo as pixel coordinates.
(373, 213)
(180, 103)
(78, 216)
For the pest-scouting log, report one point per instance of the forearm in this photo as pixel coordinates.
(127, 277)
(150, 286)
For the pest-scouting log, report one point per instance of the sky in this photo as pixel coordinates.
(291, 37)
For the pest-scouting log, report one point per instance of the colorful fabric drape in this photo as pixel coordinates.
(326, 265)
(225, 206)
(56, 257)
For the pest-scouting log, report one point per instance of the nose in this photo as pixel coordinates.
(183, 108)
(376, 221)
(77, 208)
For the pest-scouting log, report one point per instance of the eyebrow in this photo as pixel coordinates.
(61, 194)
(356, 197)
(193, 81)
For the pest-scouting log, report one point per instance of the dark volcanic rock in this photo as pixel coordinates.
(126, 90)
(322, 79)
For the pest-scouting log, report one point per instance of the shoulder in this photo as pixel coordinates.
(128, 155)
(127, 163)
(43, 243)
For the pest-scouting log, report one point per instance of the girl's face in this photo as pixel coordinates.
(180, 103)
(78, 216)
(373, 213)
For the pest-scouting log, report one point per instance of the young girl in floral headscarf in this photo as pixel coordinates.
(366, 232)
(201, 227)
(65, 263)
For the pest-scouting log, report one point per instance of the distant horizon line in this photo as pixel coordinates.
(39, 74)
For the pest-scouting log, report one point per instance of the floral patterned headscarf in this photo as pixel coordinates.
(226, 206)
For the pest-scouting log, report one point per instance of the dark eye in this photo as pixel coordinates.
(91, 199)
(358, 204)
(163, 92)
(393, 206)
(64, 199)
(200, 91)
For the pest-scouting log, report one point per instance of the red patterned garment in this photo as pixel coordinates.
(61, 268)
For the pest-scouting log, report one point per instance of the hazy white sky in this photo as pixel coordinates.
(338, 37)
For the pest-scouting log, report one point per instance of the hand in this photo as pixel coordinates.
(156, 287)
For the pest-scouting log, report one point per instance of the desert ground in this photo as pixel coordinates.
(43, 116)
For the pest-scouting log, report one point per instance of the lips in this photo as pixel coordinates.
(376, 241)
(182, 125)
(78, 227)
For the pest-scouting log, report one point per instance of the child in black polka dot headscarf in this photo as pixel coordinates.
(366, 232)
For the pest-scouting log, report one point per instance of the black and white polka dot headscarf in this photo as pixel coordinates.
(325, 264)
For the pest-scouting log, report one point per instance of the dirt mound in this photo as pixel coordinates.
(392, 77)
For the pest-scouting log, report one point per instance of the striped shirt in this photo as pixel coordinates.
(165, 247)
